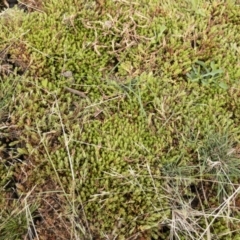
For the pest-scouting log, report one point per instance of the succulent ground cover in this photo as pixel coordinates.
(120, 120)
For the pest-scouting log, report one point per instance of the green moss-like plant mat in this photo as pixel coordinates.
(120, 120)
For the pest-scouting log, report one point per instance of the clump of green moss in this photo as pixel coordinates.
(110, 134)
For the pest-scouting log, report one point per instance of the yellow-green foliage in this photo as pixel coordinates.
(139, 112)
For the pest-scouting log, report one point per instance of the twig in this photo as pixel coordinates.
(74, 91)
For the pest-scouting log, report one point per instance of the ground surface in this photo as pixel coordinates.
(120, 120)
